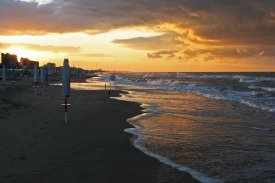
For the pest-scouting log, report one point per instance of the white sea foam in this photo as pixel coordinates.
(221, 93)
(272, 110)
(262, 88)
(241, 78)
(155, 111)
(243, 123)
(246, 79)
(197, 175)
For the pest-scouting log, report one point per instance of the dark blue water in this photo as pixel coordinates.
(220, 127)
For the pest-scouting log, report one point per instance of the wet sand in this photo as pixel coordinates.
(37, 146)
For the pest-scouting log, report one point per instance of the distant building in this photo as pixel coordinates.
(51, 66)
(32, 63)
(59, 68)
(24, 62)
(9, 60)
(29, 64)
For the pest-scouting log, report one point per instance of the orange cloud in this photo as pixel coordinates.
(36, 47)
(96, 55)
(212, 29)
(159, 54)
(164, 41)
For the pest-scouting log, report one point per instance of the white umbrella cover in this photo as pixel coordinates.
(66, 79)
(35, 74)
(4, 74)
(42, 75)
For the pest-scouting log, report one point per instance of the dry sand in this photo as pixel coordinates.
(36, 146)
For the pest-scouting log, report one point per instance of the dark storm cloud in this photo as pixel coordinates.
(233, 23)
(209, 19)
(165, 41)
(66, 16)
(229, 53)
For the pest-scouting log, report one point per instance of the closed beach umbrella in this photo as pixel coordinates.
(4, 74)
(35, 81)
(42, 78)
(66, 79)
(35, 74)
(12, 73)
(12, 76)
(47, 74)
(9, 72)
(42, 75)
(66, 85)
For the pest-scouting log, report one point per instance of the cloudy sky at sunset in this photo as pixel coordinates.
(142, 35)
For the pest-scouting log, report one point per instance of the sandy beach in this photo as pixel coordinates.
(37, 146)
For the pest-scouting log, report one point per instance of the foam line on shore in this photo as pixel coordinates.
(137, 143)
(197, 175)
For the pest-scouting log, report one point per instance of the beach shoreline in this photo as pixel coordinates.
(37, 146)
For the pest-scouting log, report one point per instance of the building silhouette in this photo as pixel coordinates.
(9, 60)
(28, 64)
(51, 66)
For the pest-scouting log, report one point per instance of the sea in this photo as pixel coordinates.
(219, 127)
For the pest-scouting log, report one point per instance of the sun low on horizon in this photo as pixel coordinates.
(169, 36)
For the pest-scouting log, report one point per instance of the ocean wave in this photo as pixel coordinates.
(138, 144)
(252, 99)
(237, 126)
(246, 79)
(262, 88)
(221, 123)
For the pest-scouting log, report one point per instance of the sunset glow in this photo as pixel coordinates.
(141, 35)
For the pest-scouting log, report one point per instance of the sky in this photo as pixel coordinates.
(142, 35)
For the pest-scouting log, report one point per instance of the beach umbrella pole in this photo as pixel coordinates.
(13, 77)
(35, 86)
(35, 82)
(13, 84)
(4, 76)
(66, 105)
(42, 74)
(47, 77)
(4, 83)
(66, 86)
(66, 114)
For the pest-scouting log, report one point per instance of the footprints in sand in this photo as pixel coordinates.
(20, 151)
(20, 142)
(22, 157)
(10, 175)
(23, 130)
